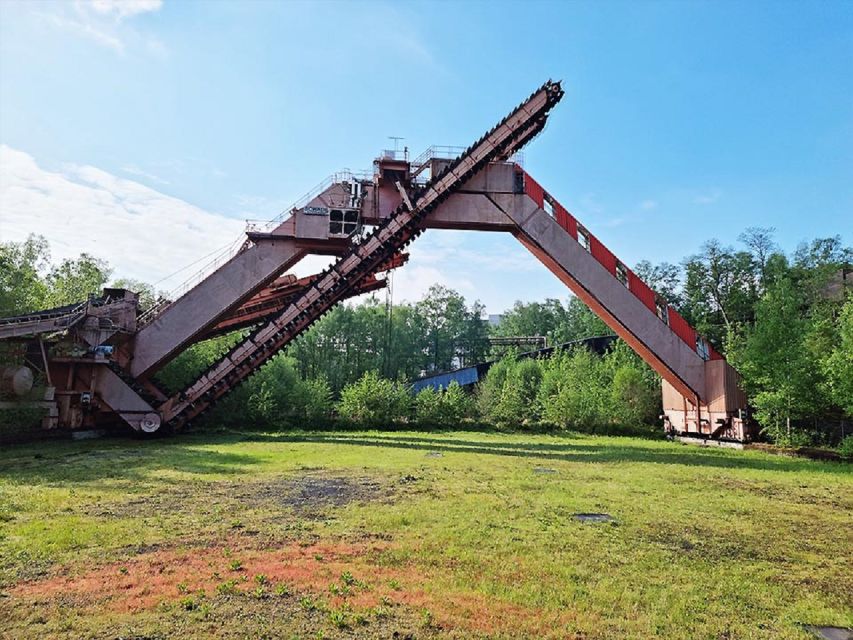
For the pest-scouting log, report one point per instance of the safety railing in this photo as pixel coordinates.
(395, 154)
(344, 175)
(447, 152)
(168, 299)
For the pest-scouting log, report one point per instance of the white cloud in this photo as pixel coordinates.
(104, 22)
(253, 207)
(142, 233)
(86, 30)
(120, 9)
(707, 198)
(147, 235)
(414, 280)
(454, 249)
(611, 223)
(136, 171)
(648, 205)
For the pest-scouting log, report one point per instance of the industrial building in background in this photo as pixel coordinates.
(99, 357)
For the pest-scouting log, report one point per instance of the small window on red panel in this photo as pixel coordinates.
(660, 307)
(583, 238)
(548, 205)
(622, 273)
(702, 348)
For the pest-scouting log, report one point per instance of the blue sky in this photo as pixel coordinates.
(681, 121)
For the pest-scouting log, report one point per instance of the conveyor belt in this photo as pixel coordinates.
(45, 321)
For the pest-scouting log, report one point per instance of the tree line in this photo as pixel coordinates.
(785, 321)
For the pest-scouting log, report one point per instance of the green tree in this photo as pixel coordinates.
(73, 280)
(778, 371)
(720, 290)
(664, 278)
(822, 252)
(634, 401)
(438, 333)
(507, 396)
(818, 262)
(581, 322)
(146, 293)
(551, 319)
(534, 319)
(22, 287)
(445, 408)
(837, 364)
(574, 393)
(375, 401)
(185, 368)
(277, 397)
(489, 389)
(759, 241)
(344, 344)
(455, 335)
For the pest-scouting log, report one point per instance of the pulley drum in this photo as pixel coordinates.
(150, 423)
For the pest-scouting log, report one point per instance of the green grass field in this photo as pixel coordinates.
(419, 535)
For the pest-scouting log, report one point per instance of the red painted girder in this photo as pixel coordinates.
(280, 293)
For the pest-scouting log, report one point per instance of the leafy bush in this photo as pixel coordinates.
(573, 390)
(490, 388)
(837, 363)
(375, 401)
(635, 388)
(276, 397)
(314, 400)
(633, 400)
(507, 397)
(20, 420)
(846, 448)
(457, 403)
(428, 407)
(575, 393)
(444, 408)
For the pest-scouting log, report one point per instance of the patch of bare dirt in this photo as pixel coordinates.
(242, 614)
(701, 542)
(803, 494)
(313, 495)
(312, 585)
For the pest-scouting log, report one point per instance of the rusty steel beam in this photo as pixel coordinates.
(274, 298)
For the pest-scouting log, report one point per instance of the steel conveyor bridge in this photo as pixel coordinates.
(481, 188)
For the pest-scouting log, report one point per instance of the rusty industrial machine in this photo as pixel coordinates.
(99, 357)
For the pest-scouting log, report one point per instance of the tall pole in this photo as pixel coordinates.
(389, 319)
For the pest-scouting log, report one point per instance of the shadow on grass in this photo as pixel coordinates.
(587, 450)
(121, 458)
(124, 459)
